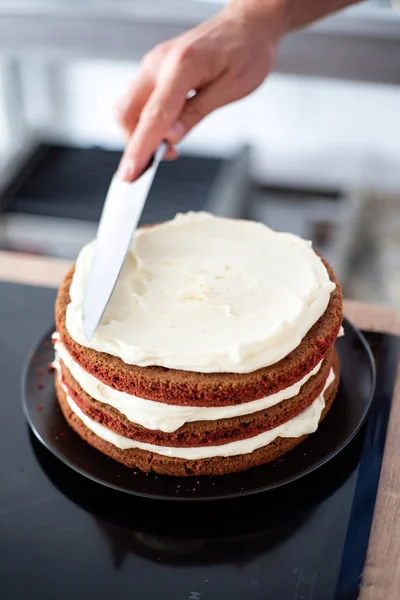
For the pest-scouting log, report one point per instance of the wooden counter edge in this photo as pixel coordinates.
(381, 580)
(32, 270)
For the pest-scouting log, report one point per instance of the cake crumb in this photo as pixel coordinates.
(198, 482)
(206, 581)
(40, 386)
(39, 407)
(177, 487)
(135, 472)
(50, 367)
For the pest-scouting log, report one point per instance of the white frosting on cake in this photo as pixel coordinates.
(158, 415)
(207, 294)
(305, 423)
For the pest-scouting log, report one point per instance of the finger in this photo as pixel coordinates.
(161, 111)
(198, 107)
(171, 153)
(128, 108)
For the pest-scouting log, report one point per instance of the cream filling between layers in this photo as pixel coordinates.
(158, 415)
(206, 294)
(305, 423)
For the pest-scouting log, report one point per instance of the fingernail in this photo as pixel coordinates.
(176, 131)
(126, 169)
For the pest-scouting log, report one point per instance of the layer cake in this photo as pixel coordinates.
(216, 351)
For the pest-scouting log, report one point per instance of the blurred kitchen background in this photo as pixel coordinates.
(316, 150)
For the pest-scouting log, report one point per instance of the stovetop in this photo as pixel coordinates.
(62, 536)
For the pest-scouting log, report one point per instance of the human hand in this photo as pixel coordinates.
(222, 60)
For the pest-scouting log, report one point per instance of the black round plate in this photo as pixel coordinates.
(338, 428)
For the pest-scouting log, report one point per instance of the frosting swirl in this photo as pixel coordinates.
(207, 294)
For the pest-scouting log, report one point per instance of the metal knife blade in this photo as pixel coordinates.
(121, 213)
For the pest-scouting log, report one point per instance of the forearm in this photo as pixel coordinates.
(303, 12)
(290, 14)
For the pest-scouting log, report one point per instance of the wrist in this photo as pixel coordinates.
(271, 15)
